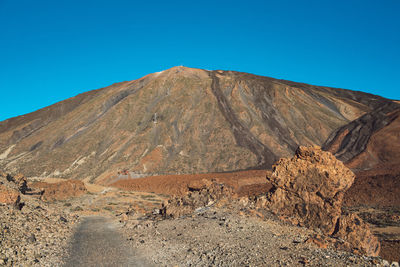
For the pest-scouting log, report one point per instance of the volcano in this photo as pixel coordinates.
(181, 120)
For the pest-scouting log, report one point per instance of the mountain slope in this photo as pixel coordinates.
(371, 141)
(181, 120)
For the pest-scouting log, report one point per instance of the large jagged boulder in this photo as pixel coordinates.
(308, 190)
(199, 196)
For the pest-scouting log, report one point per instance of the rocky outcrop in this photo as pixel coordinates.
(308, 190)
(61, 190)
(199, 197)
(356, 235)
(31, 232)
(9, 196)
(11, 188)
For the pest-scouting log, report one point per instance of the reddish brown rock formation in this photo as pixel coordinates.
(62, 190)
(308, 190)
(197, 185)
(10, 189)
(20, 181)
(357, 235)
(9, 196)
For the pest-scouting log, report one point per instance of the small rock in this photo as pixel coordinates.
(385, 263)
(31, 239)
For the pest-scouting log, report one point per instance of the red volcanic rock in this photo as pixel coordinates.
(357, 235)
(369, 141)
(309, 188)
(62, 190)
(9, 196)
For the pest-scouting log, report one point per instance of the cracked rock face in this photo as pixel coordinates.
(10, 188)
(357, 235)
(308, 190)
(9, 196)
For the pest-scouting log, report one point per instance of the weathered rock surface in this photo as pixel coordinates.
(61, 190)
(308, 190)
(9, 196)
(357, 235)
(33, 234)
(10, 189)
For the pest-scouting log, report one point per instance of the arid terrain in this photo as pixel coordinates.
(221, 234)
(205, 225)
(189, 167)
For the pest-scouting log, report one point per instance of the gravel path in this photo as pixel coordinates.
(223, 237)
(98, 242)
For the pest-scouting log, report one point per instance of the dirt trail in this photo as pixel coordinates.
(98, 242)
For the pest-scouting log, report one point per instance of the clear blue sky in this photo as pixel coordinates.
(52, 50)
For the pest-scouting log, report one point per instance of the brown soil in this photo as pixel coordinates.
(247, 183)
(390, 250)
(377, 187)
(60, 191)
(254, 189)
